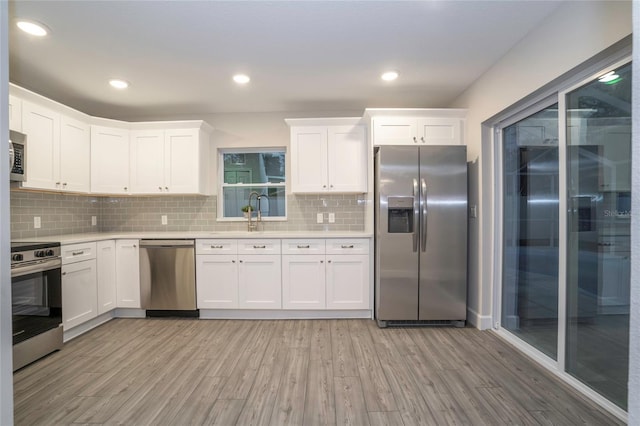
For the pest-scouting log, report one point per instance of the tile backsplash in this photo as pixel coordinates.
(68, 214)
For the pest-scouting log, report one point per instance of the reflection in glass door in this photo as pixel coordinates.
(530, 200)
(598, 118)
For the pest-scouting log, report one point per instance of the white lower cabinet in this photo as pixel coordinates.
(79, 289)
(303, 281)
(127, 274)
(217, 281)
(259, 284)
(106, 271)
(347, 281)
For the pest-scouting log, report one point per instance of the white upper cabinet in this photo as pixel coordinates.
(172, 161)
(42, 127)
(417, 127)
(328, 157)
(15, 113)
(110, 160)
(75, 156)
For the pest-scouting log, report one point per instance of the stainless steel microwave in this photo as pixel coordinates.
(17, 156)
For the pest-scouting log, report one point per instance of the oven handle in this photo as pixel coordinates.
(45, 265)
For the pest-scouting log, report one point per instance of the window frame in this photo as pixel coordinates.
(221, 183)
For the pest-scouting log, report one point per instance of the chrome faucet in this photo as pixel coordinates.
(250, 224)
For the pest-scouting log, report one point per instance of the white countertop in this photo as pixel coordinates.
(98, 236)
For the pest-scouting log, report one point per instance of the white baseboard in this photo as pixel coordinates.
(281, 314)
(89, 325)
(482, 322)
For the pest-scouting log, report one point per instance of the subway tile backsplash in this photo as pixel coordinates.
(69, 214)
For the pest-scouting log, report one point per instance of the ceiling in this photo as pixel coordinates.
(179, 56)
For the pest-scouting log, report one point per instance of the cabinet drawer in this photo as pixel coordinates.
(258, 246)
(348, 246)
(216, 247)
(72, 253)
(303, 246)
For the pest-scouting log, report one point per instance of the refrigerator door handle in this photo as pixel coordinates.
(423, 225)
(416, 214)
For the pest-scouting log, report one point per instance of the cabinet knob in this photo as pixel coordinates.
(64, 273)
(134, 246)
(166, 188)
(422, 139)
(324, 186)
(233, 261)
(64, 184)
(160, 188)
(328, 261)
(415, 140)
(240, 261)
(125, 188)
(331, 186)
(322, 261)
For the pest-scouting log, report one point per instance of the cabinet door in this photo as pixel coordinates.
(75, 156)
(182, 167)
(147, 162)
(303, 282)
(348, 281)
(347, 159)
(42, 127)
(259, 285)
(15, 113)
(128, 274)
(395, 131)
(308, 159)
(440, 131)
(79, 293)
(217, 281)
(109, 160)
(106, 272)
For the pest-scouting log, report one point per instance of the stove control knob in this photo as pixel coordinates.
(49, 252)
(39, 253)
(17, 257)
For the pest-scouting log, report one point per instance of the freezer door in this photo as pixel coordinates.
(397, 239)
(443, 233)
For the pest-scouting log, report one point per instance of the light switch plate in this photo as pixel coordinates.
(94, 221)
(332, 218)
(36, 222)
(319, 218)
(164, 219)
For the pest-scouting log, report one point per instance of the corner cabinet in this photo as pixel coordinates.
(417, 126)
(330, 156)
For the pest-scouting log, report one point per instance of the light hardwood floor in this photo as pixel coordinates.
(298, 372)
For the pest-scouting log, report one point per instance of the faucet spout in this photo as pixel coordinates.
(250, 224)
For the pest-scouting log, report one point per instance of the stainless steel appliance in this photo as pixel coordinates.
(421, 235)
(36, 301)
(17, 156)
(168, 277)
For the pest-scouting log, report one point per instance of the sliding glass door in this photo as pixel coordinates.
(566, 209)
(598, 116)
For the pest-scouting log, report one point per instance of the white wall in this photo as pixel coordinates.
(6, 351)
(575, 32)
(634, 341)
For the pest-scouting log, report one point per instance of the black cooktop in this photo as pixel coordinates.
(17, 246)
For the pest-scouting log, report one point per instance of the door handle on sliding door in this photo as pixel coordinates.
(416, 214)
(423, 225)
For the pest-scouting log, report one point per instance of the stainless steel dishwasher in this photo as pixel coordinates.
(168, 277)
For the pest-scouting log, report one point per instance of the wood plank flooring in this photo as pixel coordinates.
(293, 372)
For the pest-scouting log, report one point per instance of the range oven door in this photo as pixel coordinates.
(36, 298)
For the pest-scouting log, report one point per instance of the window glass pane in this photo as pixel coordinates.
(252, 167)
(530, 264)
(598, 253)
(272, 200)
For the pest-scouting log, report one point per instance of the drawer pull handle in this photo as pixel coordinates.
(216, 247)
(303, 247)
(77, 253)
(350, 246)
(259, 247)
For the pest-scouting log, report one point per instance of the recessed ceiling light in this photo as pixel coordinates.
(389, 76)
(33, 28)
(609, 77)
(241, 78)
(118, 84)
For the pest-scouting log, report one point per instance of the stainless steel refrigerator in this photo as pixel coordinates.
(421, 235)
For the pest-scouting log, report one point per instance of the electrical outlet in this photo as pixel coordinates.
(94, 221)
(36, 222)
(332, 218)
(164, 219)
(319, 218)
